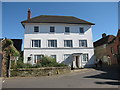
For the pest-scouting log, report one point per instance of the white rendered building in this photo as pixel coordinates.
(66, 38)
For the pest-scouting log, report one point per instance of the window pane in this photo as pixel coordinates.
(67, 29)
(52, 43)
(68, 43)
(52, 29)
(81, 30)
(36, 29)
(85, 57)
(53, 56)
(36, 43)
(66, 56)
(38, 58)
(83, 43)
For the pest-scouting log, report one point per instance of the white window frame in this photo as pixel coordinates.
(35, 61)
(54, 29)
(80, 44)
(80, 30)
(39, 44)
(38, 29)
(67, 56)
(86, 57)
(53, 57)
(65, 44)
(65, 29)
(55, 46)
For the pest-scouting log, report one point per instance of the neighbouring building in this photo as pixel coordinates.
(66, 38)
(107, 48)
(17, 44)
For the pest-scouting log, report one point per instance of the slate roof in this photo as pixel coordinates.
(104, 40)
(57, 19)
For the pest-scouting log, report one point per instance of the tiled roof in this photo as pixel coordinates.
(57, 19)
(104, 40)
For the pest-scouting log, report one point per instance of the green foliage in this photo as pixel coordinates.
(50, 62)
(6, 43)
(46, 62)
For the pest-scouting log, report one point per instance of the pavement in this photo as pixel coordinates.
(101, 77)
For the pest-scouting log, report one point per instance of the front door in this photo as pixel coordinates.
(77, 62)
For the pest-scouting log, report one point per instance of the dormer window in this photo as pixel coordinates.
(67, 29)
(36, 28)
(81, 30)
(52, 29)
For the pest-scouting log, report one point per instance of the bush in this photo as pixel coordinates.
(45, 62)
(50, 62)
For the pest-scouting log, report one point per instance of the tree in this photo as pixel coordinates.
(8, 50)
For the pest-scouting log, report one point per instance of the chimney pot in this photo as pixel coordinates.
(103, 35)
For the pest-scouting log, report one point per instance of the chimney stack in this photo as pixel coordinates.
(103, 35)
(29, 13)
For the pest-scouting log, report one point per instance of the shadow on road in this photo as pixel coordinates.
(109, 73)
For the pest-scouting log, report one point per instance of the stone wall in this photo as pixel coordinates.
(34, 72)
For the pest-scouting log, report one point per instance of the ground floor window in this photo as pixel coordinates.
(85, 57)
(38, 58)
(66, 56)
(29, 58)
(53, 56)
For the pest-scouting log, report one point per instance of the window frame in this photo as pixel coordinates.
(35, 27)
(80, 44)
(68, 55)
(41, 55)
(82, 29)
(39, 43)
(112, 50)
(66, 44)
(68, 30)
(85, 57)
(53, 29)
(53, 57)
(50, 45)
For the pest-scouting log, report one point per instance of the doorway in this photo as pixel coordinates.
(77, 61)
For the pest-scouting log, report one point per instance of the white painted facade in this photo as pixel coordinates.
(75, 52)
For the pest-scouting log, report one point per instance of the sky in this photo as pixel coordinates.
(103, 14)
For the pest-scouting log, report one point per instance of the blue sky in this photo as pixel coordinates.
(103, 14)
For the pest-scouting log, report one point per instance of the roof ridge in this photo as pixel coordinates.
(57, 15)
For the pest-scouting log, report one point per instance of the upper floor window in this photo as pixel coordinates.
(81, 30)
(82, 43)
(52, 29)
(68, 43)
(36, 43)
(52, 43)
(36, 28)
(85, 57)
(67, 29)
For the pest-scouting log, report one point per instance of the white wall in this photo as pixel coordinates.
(58, 52)
(44, 35)
(60, 36)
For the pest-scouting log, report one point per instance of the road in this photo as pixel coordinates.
(85, 78)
